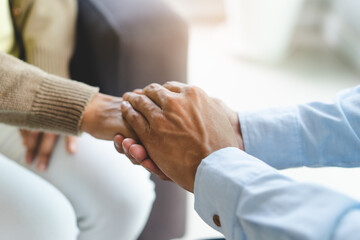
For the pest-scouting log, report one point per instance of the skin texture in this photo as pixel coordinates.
(138, 155)
(179, 125)
(234, 121)
(102, 119)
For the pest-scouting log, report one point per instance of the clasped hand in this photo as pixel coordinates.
(179, 125)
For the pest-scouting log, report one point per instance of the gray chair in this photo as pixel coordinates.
(126, 44)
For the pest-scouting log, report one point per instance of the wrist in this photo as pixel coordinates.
(235, 123)
(88, 114)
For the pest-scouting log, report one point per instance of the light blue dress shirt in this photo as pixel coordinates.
(255, 201)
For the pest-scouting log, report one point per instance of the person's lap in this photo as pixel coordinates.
(111, 197)
(31, 208)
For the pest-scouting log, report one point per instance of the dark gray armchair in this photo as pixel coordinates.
(127, 44)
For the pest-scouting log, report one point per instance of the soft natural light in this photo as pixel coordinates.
(311, 70)
(252, 54)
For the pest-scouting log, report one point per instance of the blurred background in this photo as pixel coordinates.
(258, 53)
(252, 54)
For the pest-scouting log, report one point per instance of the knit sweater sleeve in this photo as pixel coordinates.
(31, 98)
(47, 30)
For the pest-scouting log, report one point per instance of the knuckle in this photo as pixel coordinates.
(159, 120)
(191, 90)
(173, 83)
(151, 87)
(194, 92)
(131, 116)
(169, 83)
(129, 97)
(139, 100)
(154, 85)
(127, 112)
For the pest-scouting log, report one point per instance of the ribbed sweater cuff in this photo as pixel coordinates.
(59, 106)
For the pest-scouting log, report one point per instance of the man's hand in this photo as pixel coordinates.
(40, 145)
(138, 155)
(234, 121)
(102, 118)
(179, 126)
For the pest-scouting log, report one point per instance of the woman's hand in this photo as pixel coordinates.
(40, 145)
(102, 118)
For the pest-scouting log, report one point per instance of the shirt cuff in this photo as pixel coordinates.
(273, 136)
(219, 181)
(247, 198)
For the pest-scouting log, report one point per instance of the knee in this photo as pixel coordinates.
(132, 201)
(118, 212)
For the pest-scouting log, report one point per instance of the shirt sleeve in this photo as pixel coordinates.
(254, 201)
(314, 135)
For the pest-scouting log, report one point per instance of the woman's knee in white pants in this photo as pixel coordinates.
(111, 198)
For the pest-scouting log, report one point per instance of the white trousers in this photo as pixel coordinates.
(109, 197)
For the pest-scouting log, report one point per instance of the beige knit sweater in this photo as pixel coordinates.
(29, 97)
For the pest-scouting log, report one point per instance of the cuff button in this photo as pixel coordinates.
(216, 220)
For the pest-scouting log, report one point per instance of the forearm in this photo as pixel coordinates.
(31, 98)
(315, 134)
(273, 135)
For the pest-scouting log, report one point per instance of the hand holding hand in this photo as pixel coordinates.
(139, 156)
(179, 125)
(102, 118)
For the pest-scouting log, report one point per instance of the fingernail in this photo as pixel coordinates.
(73, 147)
(42, 167)
(124, 148)
(137, 160)
(116, 144)
(125, 104)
